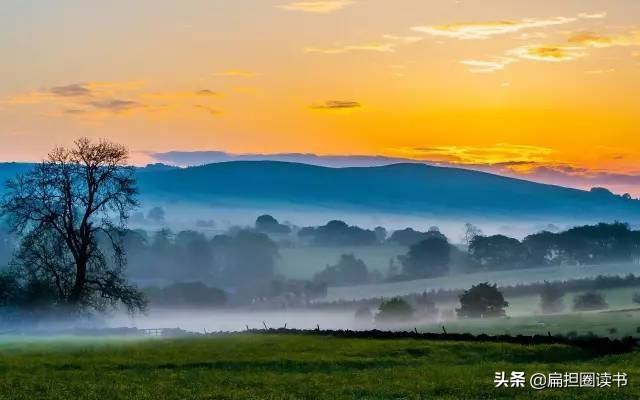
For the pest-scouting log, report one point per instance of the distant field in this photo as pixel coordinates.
(465, 281)
(614, 324)
(619, 298)
(304, 262)
(248, 366)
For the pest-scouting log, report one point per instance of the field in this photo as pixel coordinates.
(465, 281)
(254, 366)
(614, 324)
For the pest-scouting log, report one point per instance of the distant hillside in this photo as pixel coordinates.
(399, 188)
(404, 188)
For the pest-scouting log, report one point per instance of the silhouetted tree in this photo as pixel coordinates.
(393, 310)
(427, 258)
(268, 224)
(62, 209)
(338, 233)
(497, 252)
(470, 232)
(482, 301)
(348, 271)
(381, 234)
(551, 298)
(589, 301)
(247, 256)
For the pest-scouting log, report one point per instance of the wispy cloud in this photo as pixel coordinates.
(549, 53)
(498, 154)
(115, 105)
(388, 44)
(487, 66)
(597, 15)
(375, 47)
(72, 90)
(208, 110)
(602, 41)
(484, 30)
(599, 71)
(317, 7)
(337, 106)
(238, 73)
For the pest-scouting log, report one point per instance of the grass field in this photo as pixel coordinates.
(250, 366)
(614, 324)
(465, 281)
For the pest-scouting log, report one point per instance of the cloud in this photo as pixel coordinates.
(498, 154)
(238, 73)
(601, 41)
(484, 30)
(72, 90)
(548, 53)
(487, 66)
(208, 110)
(387, 45)
(599, 71)
(379, 48)
(318, 7)
(115, 105)
(337, 105)
(206, 92)
(599, 15)
(403, 39)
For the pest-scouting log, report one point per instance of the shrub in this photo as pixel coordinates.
(394, 310)
(482, 301)
(589, 301)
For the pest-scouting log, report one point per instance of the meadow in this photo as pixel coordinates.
(465, 281)
(270, 366)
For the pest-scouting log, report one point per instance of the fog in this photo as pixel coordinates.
(237, 320)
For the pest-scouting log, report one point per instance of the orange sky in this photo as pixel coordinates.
(524, 85)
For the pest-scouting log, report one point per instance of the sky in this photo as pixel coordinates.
(543, 90)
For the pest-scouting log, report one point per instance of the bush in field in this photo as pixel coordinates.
(482, 301)
(589, 301)
(636, 298)
(394, 310)
(551, 298)
(348, 271)
(427, 258)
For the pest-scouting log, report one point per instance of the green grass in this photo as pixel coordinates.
(249, 366)
(465, 281)
(611, 324)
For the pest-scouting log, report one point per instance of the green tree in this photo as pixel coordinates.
(427, 258)
(482, 301)
(551, 298)
(395, 309)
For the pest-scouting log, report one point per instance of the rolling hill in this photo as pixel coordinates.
(398, 188)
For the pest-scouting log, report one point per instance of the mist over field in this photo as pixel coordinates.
(262, 244)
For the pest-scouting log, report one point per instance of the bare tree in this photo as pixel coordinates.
(71, 210)
(470, 232)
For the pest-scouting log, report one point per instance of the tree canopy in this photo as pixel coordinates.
(69, 212)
